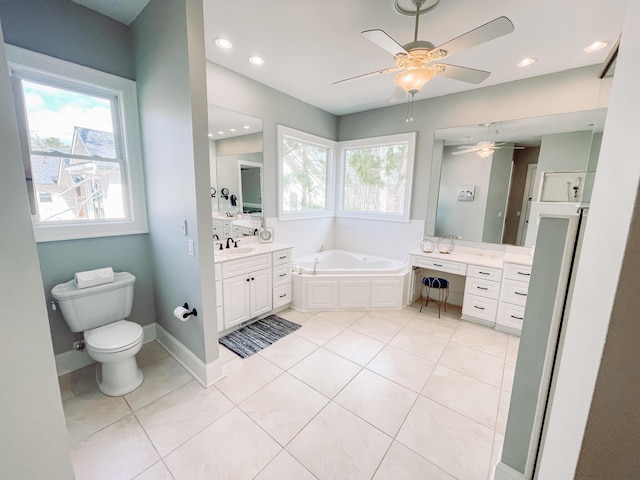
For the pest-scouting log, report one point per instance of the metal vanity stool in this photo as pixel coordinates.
(439, 284)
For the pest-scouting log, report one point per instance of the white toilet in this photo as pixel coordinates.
(112, 341)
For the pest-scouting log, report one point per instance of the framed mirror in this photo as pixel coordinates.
(536, 164)
(235, 153)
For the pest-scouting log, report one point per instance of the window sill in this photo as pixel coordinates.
(55, 233)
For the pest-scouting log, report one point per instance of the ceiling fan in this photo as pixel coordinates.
(484, 148)
(418, 62)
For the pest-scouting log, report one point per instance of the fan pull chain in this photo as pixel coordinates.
(409, 109)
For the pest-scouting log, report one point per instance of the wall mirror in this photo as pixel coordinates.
(235, 154)
(543, 163)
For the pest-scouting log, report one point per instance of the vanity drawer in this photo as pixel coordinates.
(283, 256)
(488, 273)
(281, 295)
(480, 308)
(282, 274)
(440, 265)
(482, 287)
(231, 268)
(517, 272)
(510, 318)
(514, 292)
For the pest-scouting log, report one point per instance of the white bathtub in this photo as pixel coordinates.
(341, 280)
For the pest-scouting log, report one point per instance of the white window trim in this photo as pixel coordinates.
(410, 139)
(36, 65)
(282, 132)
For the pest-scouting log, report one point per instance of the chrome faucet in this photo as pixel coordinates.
(315, 264)
(322, 248)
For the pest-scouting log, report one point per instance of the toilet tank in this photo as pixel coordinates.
(92, 307)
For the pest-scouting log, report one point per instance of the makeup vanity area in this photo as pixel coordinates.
(496, 283)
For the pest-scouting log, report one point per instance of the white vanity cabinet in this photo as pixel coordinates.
(281, 278)
(246, 288)
(513, 297)
(481, 293)
(252, 286)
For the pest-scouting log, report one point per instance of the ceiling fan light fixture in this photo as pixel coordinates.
(411, 81)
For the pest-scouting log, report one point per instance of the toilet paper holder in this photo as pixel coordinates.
(193, 312)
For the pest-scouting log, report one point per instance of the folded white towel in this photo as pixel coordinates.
(91, 278)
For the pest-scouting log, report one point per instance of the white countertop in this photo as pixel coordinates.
(226, 254)
(487, 258)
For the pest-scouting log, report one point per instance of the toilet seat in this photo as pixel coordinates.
(114, 337)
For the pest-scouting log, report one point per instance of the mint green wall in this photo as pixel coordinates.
(66, 30)
(63, 29)
(170, 73)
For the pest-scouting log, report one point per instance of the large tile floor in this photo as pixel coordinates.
(350, 395)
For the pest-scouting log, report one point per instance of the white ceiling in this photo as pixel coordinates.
(307, 45)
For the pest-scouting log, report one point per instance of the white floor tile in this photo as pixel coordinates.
(344, 317)
(407, 369)
(485, 339)
(319, 330)
(507, 376)
(176, 417)
(381, 329)
(379, 401)
(296, 316)
(474, 363)
(420, 343)
(245, 376)
(512, 348)
(325, 371)
(283, 407)
(162, 375)
(122, 450)
(88, 412)
(400, 463)
(233, 447)
(288, 351)
(456, 444)
(338, 444)
(503, 411)
(159, 471)
(285, 467)
(354, 346)
(464, 394)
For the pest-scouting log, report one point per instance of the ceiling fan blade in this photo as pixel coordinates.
(489, 31)
(464, 74)
(383, 40)
(370, 74)
(468, 150)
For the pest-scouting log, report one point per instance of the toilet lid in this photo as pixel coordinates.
(113, 336)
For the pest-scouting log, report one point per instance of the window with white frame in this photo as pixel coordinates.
(305, 164)
(375, 177)
(81, 147)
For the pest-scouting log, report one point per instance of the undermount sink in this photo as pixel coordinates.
(235, 251)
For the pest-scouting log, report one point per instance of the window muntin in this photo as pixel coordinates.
(376, 177)
(80, 133)
(305, 173)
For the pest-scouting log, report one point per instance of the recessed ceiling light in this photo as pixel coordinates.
(525, 62)
(256, 60)
(595, 46)
(210, 135)
(232, 129)
(246, 127)
(220, 132)
(222, 42)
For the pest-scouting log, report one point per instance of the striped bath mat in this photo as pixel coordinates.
(253, 338)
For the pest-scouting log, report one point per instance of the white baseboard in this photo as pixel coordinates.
(72, 360)
(505, 472)
(205, 374)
